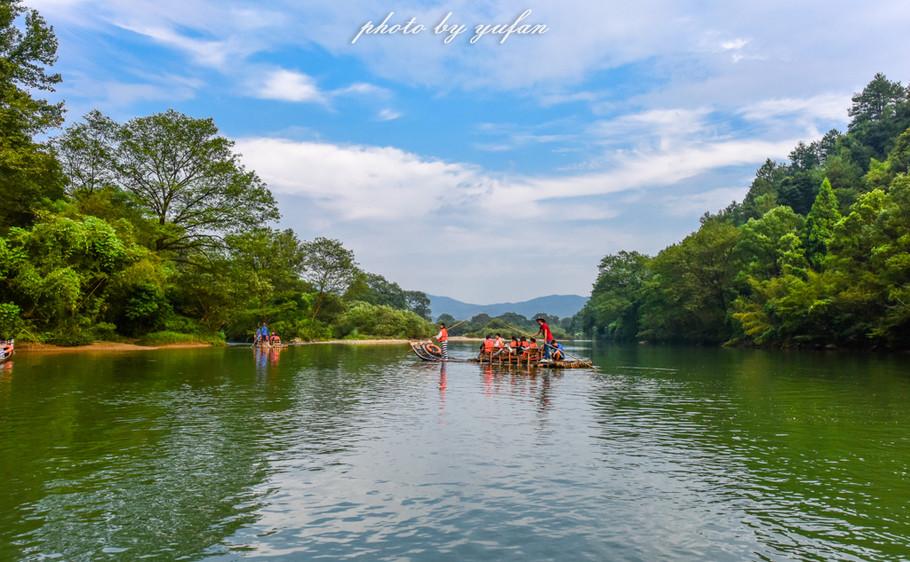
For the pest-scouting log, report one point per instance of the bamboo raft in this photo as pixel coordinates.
(531, 359)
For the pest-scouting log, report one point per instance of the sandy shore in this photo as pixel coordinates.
(386, 341)
(101, 346)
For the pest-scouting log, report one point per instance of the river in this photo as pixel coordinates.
(365, 453)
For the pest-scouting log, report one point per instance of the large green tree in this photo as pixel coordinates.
(820, 223)
(688, 295)
(185, 176)
(329, 267)
(616, 296)
(29, 173)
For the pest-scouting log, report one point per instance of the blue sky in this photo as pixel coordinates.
(492, 171)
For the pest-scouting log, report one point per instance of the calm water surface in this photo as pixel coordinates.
(337, 452)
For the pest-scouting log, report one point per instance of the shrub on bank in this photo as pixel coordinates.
(370, 320)
(10, 321)
(165, 337)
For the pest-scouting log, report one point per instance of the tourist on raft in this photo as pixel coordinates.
(275, 339)
(559, 352)
(262, 334)
(500, 343)
(488, 345)
(513, 345)
(443, 338)
(544, 330)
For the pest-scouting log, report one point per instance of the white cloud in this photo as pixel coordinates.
(396, 208)
(831, 107)
(215, 53)
(363, 89)
(697, 203)
(734, 44)
(387, 114)
(660, 127)
(357, 182)
(289, 85)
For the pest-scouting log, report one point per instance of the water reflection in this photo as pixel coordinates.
(352, 452)
(795, 446)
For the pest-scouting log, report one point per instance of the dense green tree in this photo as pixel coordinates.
(820, 222)
(446, 318)
(379, 320)
(613, 309)
(29, 174)
(764, 242)
(329, 267)
(58, 271)
(10, 321)
(376, 289)
(879, 113)
(688, 294)
(762, 195)
(419, 303)
(184, 175)
(86, 152)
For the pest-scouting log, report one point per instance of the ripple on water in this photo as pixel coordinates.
(354, 453)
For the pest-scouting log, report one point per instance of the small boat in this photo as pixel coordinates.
(7, 348)
(427, 351)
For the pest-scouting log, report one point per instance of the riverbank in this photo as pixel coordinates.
(102, 346)
(108, 346)
(383, 341)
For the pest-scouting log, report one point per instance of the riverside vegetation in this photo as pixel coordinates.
(818, 252)
(112, 230)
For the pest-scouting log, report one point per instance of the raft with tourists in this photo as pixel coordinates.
(521, 351)
(7, 348)
(430, 352)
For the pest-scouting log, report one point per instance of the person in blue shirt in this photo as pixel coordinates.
(557, 351)
(262, 334)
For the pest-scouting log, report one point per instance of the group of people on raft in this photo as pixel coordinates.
(521, 346)
(6, 349)
(266, 337)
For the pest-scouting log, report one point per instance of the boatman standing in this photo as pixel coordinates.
(443, 338)
(544, 330)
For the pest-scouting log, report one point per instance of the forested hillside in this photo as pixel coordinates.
(153, 229)
(815, 254)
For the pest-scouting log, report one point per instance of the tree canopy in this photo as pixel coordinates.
(816, 253)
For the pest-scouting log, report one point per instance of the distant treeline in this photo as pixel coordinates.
(508, 325)
(817, 253)
(153, 229)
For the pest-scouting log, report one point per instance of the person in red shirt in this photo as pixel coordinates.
(544, 330)
(443, 338)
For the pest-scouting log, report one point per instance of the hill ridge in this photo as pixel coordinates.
(557, 305)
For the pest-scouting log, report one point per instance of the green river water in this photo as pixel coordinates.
(342, 452)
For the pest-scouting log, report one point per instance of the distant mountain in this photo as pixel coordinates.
(558, 305)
